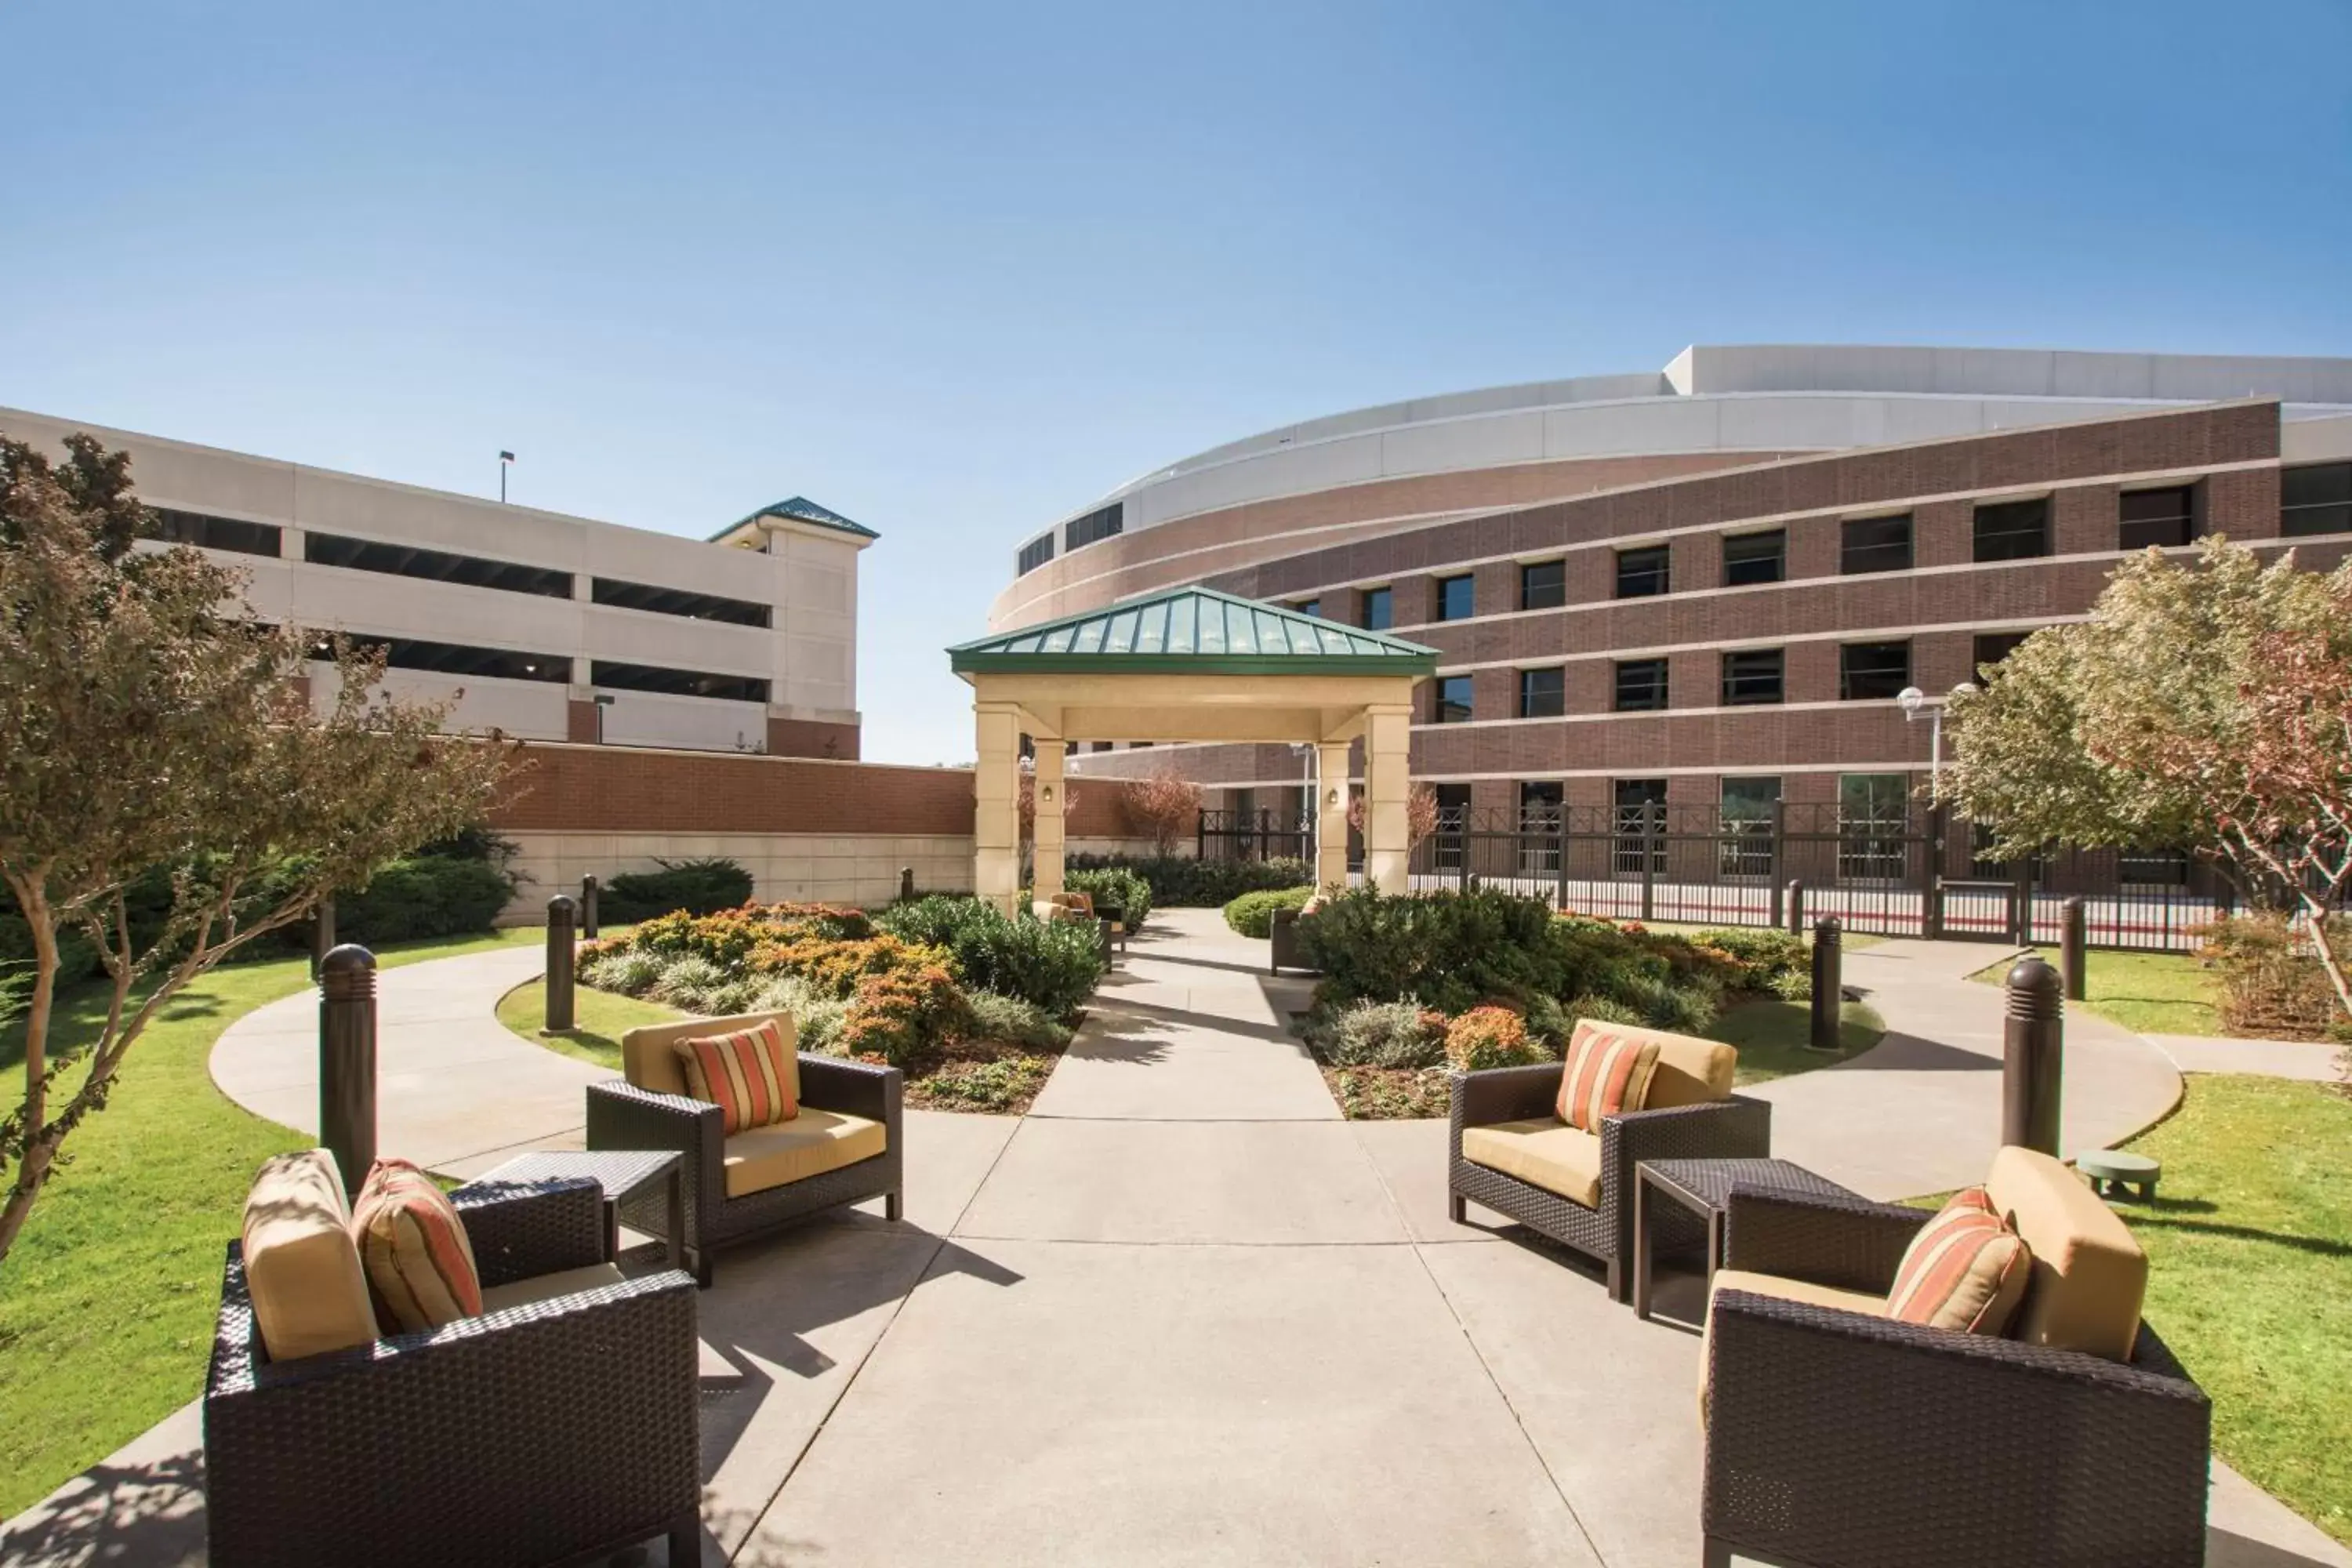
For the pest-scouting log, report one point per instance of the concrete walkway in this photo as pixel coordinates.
(1180, 1313)
(2312, 1061)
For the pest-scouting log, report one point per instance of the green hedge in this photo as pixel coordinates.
(1252, 914)
(701, 887)
(1052, 964)
(1177, 882)
(1114, 885)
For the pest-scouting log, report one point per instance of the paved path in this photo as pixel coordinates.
(2312, 1061)
(1180, 1313)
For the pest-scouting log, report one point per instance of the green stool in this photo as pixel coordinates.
(2111, 1170)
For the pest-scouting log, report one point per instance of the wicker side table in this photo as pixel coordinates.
(1704, 1188)
(622, 1173)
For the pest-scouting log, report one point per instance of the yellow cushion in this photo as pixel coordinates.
(301, 1267)
(2089, 1276)
(1543, 1152)
(548, 1287)
(810, 1144)
(648, 1063)
(1785, 1289)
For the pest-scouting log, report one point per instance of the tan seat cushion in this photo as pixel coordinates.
(1773, 1285)
(547, 1286)
(301, 1267)
(1690, 1071)
(2089, 1276)
(810, 1144)
(1543, 1152)
(648, 1063)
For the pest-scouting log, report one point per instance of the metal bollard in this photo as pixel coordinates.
(560, 914)
(322, 932)
(2033, 1054)
(588, 907)
(1829, 964)
(1796, 906)
(347, 1061)
(2073, 948)
(905, 883)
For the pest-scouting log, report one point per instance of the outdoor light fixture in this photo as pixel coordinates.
(1045, 794)
(1911, 700)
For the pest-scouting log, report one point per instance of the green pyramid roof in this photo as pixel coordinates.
(800, 508)
(1195, 631)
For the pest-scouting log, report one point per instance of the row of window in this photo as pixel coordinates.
(2313, 501)
(508, 664)
(1871, 671)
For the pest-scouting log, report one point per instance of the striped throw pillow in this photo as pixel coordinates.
(1607, 1075)
(743, 1074)
(412, 1248)
(1966, 1269)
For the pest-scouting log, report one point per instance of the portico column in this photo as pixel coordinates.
(1388, 781)
(996, 805)
(1052, 795)
(1331, 815)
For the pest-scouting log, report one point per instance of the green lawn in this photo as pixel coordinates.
(600, 1019)
(2151, 992)
(107, 1299)
(1772, 1034)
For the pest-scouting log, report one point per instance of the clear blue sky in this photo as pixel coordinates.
(953, 269)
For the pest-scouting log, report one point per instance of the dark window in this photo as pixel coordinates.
(1379, 614)
(436, 566)
(1035, 554)
(1095, 525)
(1456, 598)
(2316, 500)
(1877, 544)
(1099, 746)
(677, 682)
(230, 533)
(678, 602)
(1874, 826)
(1746, 819)
(1755, 558)
(1641, 685)
(2013, 530)
(1641, 573)
(1543, 585)
(2154, 517)
(1873, 669)
(1543, 810)
(1452, 699)
(1640, 809)
(1752, 674)
(1991, 649)
(1543, 693)
(456, 658)
(1310, 607)
(1453, 822)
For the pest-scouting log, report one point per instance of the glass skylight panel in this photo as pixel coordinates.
(1090, 638)
(1151, 630)
(1182, 613)
(1057, 640)
(1121, 638)
(1212, 626)
(1241, 629)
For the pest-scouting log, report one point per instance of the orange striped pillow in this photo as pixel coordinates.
(1966, 1269)
(413, 1248)
(743, 1074)
(1607, 1075)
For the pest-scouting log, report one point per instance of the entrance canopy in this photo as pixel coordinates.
(1189, 663)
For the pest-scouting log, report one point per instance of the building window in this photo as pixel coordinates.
(1747, 818)
(434, 566)
(230, 533)
(1096, 525)
(458, 658)
(1638, 808)
(1543, 809)
(1752, 674)
(1874, 819)
(1991, 647)
(680, 602)
(1310, 607)
(1543, 585)
(1875, 545)
(677, 682)
(1751, 558)
(2160, 518)
(2316, 500)
(1641, 685)
(1452, 699)
(1379, 611)
(1456, 598)
(1099, 745)
(1035, 554)
(1543, 693)
(2013, 530)
(1642, 573)
(1453, 822)
(1873, 670)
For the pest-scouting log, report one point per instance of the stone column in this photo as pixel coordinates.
(1053, 793)
(1388, 782)
(996, 814)
(1331, 815)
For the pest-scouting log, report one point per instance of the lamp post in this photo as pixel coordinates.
(1912, 701)
(506, 462)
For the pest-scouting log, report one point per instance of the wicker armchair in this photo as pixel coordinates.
(551, 1431)
(1836, 1438)
(1729, 1127)
(646, 1110)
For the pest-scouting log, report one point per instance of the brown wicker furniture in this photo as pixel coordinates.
(1689, 1115)
(560, 1425)
(724, 1203)
(1703, 1188)
(623, 1174)
(1838, 1438)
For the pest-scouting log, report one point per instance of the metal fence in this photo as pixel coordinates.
(1263, 833)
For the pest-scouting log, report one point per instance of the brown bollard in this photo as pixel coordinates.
(2073, 948)
(1796, 902)
(561, 913)
(1829, 965)
(2033, 1054)
(588, 907)
(347, 1061)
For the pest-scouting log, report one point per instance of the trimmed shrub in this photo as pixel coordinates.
(1454, 951)
(1380, 1035)
(630, 970)
(817, 1018)
(698, 887)
(1486, 1037)
(1549, 1023)
(1115, 886)
(688, 980)
(422, 897)
(1252, 914)
(1010, 1021)
(1601, 1010)
(1761, 955)
(729, 936)
(2271, 978)
(1052, 964)
(903, 1016)
(1180, 881)
(837, 966)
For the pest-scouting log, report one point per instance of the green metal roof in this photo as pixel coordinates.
(1195, 631)
(800, 508)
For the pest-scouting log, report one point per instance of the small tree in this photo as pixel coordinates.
(1420, 813)
(152, 733)
(1164, 808)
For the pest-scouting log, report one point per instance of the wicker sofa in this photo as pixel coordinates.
(847, 1145)
(1836, 1438)
(1508, 1150)
(560, 1425)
